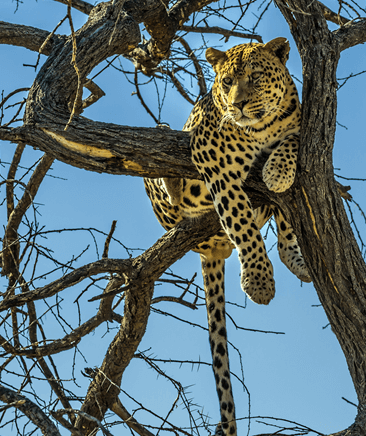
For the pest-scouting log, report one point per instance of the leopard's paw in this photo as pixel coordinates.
(291, 256)
(278, 174)
(258, 283)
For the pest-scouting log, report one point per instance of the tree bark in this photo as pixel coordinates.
(315, 206)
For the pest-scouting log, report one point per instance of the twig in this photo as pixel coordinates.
(221, 31)
(332, 16)
(178, 85)
(30, 409)
(349, 402)
(142, 100)
(110, 293)
(200, 76)
(118, 408)
(84, 415)
(41, 48)
(5, 99)
(79, 90)
(108, 240)
(65, 423)
(174, 300)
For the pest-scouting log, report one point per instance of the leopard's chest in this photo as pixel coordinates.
(226, 149)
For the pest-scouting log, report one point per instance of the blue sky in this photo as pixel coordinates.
(301, 375)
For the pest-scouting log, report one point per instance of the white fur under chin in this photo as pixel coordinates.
(246, 122)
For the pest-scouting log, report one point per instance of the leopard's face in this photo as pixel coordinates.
(250, 81)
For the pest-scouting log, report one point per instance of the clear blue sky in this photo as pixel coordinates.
(301, 375)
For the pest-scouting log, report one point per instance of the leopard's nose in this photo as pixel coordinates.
(240, 104)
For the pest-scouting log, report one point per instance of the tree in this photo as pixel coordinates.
(52, 123)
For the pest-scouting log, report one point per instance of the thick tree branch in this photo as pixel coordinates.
(28, 37)
(102, 147)
(351, 34)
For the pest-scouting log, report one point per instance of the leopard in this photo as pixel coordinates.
(253, 109)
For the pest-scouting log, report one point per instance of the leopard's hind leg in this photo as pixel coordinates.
(287, 245)
(288, 248)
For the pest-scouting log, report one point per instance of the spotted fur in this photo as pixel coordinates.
(253, 108)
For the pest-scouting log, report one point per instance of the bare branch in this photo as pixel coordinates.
(71, 279)
(9, 258)
(96, 93)
(85, 416)
(28, 37)
(108, 240)
(199, 73)
(138, 93)
(80, 5)
(174, 300)
(31, 410)
(118, 408)
(351, 34)
(332, 16)
(221, 31)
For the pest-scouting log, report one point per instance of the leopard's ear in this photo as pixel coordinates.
(215, 58)
(279, 47)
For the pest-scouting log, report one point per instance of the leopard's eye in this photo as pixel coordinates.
(227, 81)
(256, 75)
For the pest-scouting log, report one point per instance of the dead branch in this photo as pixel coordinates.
(197, 66)
(351, 34)
(332, 16)
(28, 37)
(138, 93)
(80, 5)
(10, 257)
(220, 31)
(118, 408)
(30, 409)
(79, 274)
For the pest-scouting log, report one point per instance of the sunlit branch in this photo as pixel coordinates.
(80, 5)
(221, 31)
(28, 37)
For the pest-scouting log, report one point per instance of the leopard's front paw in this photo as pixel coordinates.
(257, 280)
(278, 174)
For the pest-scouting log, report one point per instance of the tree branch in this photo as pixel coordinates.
(31, 410)
(332, 16)
(351, 34)
(221, 31)
(118, 408)
(28, 37)
(99, 267)
(80, 5)
(327, 243)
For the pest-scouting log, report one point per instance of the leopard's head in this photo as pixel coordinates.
(250, 80)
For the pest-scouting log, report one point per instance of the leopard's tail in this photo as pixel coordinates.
(213, 275)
